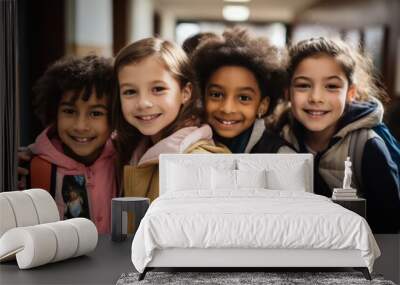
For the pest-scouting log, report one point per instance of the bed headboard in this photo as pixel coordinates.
(297, 166)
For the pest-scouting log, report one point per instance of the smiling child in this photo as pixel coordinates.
(156, 111)
(74, 155)
(335, 97)
(241, 79)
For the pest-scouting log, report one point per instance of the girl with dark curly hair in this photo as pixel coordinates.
(75, 150)
(240, 78)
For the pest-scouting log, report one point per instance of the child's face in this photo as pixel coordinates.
(233, 100)
(318, 93)
(151, 97)
(82, 126)
(73, 195)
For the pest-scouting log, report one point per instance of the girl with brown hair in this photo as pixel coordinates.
(335, 103)
(155, 111)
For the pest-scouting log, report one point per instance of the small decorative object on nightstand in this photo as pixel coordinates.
(346, 192)
(347, 196)
(120, 207)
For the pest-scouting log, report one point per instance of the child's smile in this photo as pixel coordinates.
(227, 123)
(315, 113)
(148, 118)
(82, 140)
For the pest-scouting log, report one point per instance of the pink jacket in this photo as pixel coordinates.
(178, 142)
(141, 177)
(100, 177)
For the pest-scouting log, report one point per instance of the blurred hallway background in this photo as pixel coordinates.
(49, 29)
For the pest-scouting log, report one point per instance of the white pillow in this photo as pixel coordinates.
(251, 179)
(223, 179)
(181, 177)
(292, 179)
(228, 179)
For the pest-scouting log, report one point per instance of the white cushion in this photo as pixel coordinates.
(31, 246)
(228, 179)
(36, 244)
(7, 217)
(252, 162)
(291, 179)
(223, 179)
(251, 178)
(66, 237)
(291, 175)
(26, 208)
(172, 176)
(40, 244)
(182, 177)
(23, 208)
(87, 235)
(45, 205)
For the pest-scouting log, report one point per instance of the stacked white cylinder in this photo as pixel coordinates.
(30, 230)
(26, 208)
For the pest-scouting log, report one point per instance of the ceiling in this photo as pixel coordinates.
(260, 10)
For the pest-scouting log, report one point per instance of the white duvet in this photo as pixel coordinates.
(252, 218)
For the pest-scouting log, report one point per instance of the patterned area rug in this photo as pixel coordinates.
(269, 278)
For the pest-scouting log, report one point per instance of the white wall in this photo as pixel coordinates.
(89, 26)
(94, 22)
(140, 19)
(168, 25)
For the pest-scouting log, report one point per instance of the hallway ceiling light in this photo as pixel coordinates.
(237, 1)
(235, 13)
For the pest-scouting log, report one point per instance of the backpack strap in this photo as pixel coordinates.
(43, 175)
(390, 141)
(356, 150)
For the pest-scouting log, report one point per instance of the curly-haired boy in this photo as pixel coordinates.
(75, 151)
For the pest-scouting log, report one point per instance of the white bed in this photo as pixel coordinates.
(242, 210)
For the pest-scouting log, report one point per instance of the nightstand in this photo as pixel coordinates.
(126, 214)
(358, 205)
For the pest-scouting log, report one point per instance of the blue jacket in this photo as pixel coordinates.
(379, 174)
